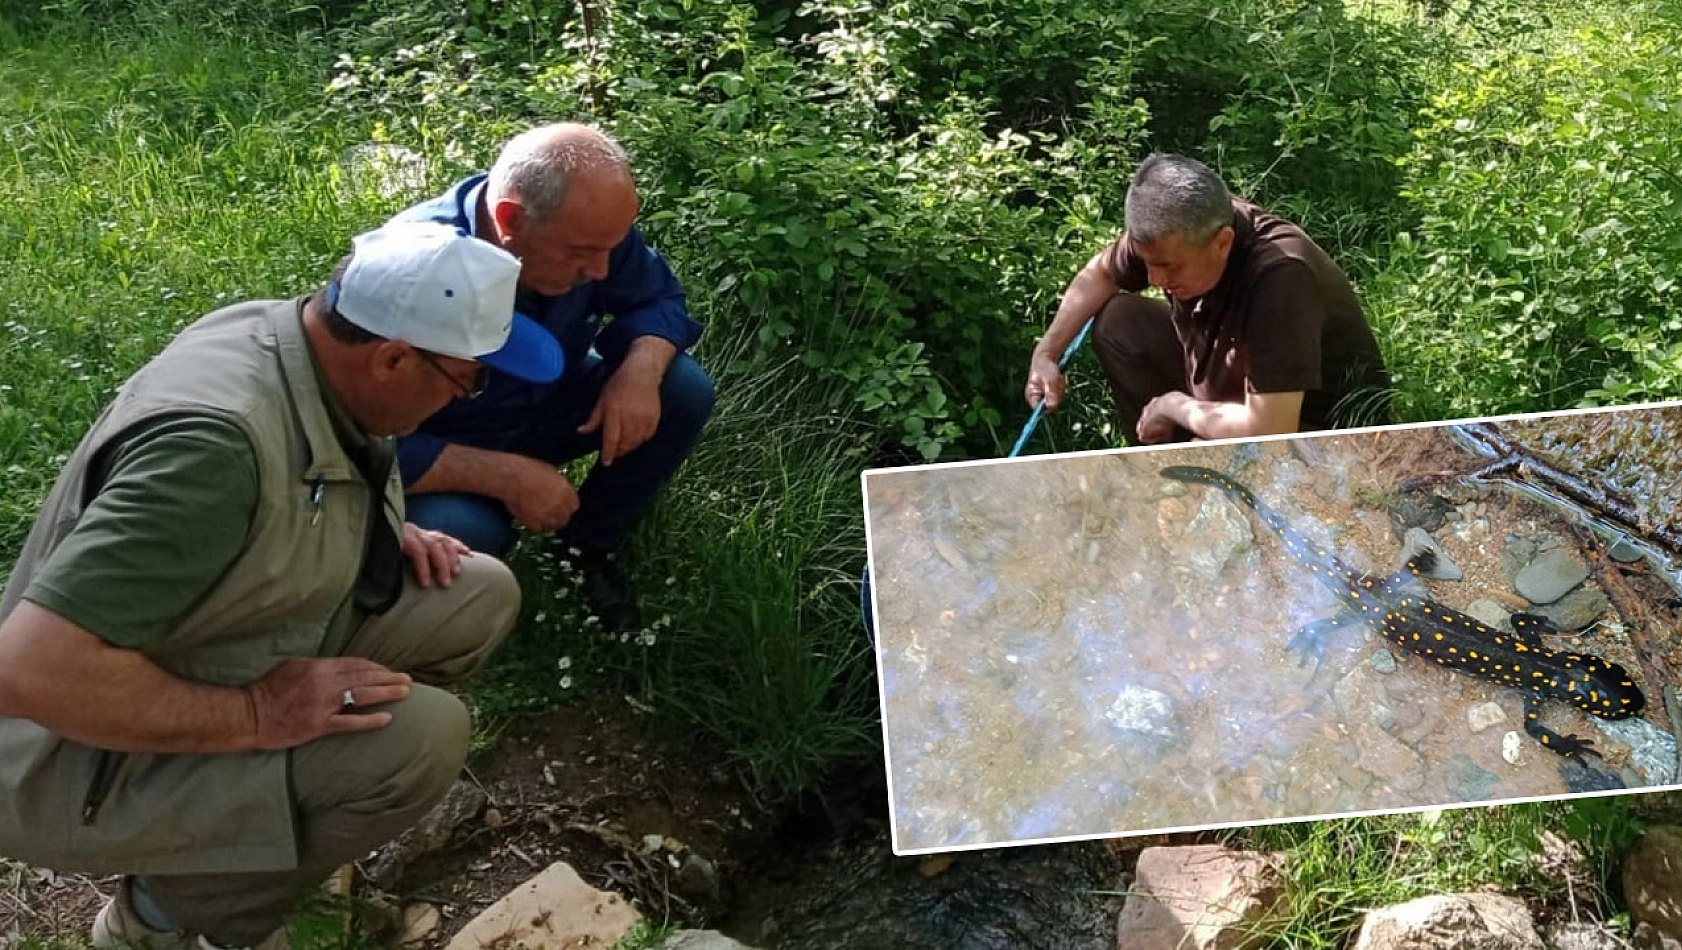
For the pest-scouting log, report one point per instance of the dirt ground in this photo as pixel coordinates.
(581, 784)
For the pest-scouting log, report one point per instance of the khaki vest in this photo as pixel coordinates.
(68, 806)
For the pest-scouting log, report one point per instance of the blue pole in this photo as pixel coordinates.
(1022, 440)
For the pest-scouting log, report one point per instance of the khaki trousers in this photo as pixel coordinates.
(356, 791)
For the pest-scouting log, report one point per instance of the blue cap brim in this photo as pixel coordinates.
(531, 353)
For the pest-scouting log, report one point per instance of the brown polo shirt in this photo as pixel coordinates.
(1282, 318)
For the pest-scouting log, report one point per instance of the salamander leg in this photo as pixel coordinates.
(1310, 642)
(1570, 746)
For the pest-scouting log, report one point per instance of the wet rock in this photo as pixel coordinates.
(420, 923)
(1419, 510)
(1465, 921)
(1484, 715)
(1575, 610)
(460, 805)
(1383, 717)
(1651, 750)
(1516, 553)
(1417, 540)
(1652, 877)
(1490, 613)
(1198, 898)
(551, 911)
(1550, 576)
(1465, 780)
(1624, 551)
(1138, 709)
(700, 940)
(1217, 532)
(698, 878)
(1579, 776)
(1383, 661)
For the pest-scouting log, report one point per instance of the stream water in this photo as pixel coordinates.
(1076, 646)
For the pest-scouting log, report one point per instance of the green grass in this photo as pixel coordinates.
(146, 180)
(1337, 870)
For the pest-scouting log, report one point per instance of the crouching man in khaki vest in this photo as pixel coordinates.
(220, 648)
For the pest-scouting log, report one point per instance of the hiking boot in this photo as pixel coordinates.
(119, 925)
(606, 587)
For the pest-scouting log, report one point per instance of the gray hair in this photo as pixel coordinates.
(1173, 194)
(536, 166)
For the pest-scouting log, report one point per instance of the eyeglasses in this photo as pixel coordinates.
(470, 390)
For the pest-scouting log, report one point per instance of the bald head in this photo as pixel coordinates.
(560, 198)
(537, 167)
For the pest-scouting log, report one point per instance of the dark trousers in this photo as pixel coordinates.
(612, 497)
(1142, 358)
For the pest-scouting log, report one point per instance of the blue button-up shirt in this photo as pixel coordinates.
(640, 294)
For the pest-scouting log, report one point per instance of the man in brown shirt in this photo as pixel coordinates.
(1261, 333)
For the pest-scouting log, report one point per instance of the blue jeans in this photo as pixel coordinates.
(612, 497)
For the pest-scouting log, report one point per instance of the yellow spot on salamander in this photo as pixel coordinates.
(1439, 636)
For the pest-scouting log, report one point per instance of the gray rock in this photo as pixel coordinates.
(1484, 715)
(1652, 877)
(1384, 717)
(1417, 540)
(1550, 577)
(1139, 709)
(1652, 750)
(1625, 551)
(1463, 921)
(698, 878)
(1519, 551)
(1465, 780)
(1490, 613)
(1217, 532)
(1575, 610)
(1383, 660)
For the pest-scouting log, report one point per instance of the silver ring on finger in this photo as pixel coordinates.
(347, 700)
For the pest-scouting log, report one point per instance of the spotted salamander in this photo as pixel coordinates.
(1454, 640)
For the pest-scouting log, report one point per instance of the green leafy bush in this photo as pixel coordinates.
(1544, 271)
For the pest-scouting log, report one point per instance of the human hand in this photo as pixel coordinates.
(434, 555)
(627, 412)
(1160, 417)
(542, 498)
(1045, 381)
(303, 699)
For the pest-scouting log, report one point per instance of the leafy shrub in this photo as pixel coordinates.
(1545, 268)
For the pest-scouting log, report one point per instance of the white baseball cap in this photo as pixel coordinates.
(435, 287)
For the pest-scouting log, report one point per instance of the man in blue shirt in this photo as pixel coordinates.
(561, 198)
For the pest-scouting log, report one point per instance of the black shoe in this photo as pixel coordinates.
(606, 587)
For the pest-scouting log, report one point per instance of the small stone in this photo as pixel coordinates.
(1384, 662)
(1577, 609)
(420, 922)
(1550, 577)
(1488, 612)
(652, 843)
(493, 818)
(1511, 745)
(1484, 715)
(1625, 551)
(1384, 716)
(698, 877)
